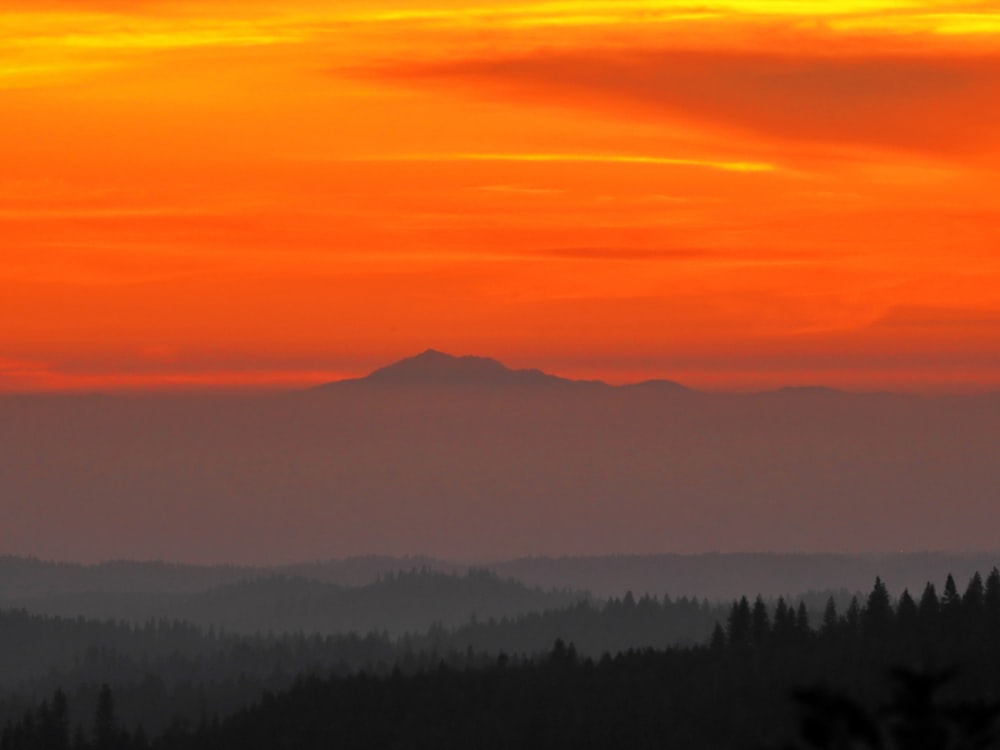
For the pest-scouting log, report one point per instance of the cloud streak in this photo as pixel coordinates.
(939, 104)
(571, 158)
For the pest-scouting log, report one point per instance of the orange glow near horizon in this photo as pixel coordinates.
(738, 194)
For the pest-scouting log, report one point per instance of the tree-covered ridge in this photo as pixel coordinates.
(398, 602)
(25, 581)
(35, 646)
(164, 668)
(731, 692)
(973, 615)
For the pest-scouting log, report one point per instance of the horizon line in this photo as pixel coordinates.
(37, 380)
(32, 558)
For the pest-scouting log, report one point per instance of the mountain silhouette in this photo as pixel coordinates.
(433, 367)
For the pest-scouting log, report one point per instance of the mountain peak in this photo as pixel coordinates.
(434, 367)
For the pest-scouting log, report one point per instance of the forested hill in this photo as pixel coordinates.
(54, 586)
(40, 650)
(730, 693)
(167, 668)
(718, 576)
(396, 603)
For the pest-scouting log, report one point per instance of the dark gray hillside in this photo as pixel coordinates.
(395, 604)
(727, 576)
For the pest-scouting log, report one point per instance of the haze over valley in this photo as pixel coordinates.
(465, 460)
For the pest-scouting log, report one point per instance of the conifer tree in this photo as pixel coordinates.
(929, 609)
(991, 598)
(972, 599)
(906, 612)
(929, 601)
(951, 606)
(55, 723)
(784, 620)
(829, 617)
(105, 731)
(802, 620)
(852, 618)
(760, 626)
(739, 622)
(950, 600)
(718, 640)
(877, 615)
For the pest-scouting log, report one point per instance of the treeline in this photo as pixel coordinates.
(973, 617)
(617, 624)
(32, 644)
(399, 602)
(35, 647)
(730, 692)
(163, 669)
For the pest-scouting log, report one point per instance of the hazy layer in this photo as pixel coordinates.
(494, 471)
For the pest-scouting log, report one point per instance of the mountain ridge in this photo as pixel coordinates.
(434, 367)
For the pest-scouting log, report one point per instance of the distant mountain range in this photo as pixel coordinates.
(141, 589)
(437, 368)
(251, 600)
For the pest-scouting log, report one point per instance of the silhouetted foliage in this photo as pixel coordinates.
(877, 618)
(163, 669)
(730, 692)
(915, 718)
(830, 620)
(740, 623)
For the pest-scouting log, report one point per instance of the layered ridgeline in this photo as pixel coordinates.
(263, 601)
(465, 459)
(731, 692)
(166, 668)
(139, 590)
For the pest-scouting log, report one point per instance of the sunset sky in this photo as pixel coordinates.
(732, 194)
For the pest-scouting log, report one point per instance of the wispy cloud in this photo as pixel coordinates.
(81, 30)
(570, 158)
(307, 176)
(936, 103)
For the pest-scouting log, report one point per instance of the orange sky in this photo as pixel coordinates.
(734, 194)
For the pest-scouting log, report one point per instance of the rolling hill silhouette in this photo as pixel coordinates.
(262, 599)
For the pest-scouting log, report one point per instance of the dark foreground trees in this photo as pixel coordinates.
(731, 693)
(914, 718)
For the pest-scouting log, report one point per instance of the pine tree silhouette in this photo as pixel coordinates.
(105, 730)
